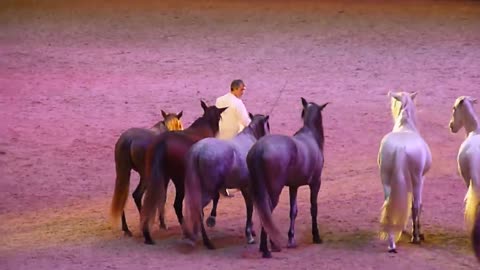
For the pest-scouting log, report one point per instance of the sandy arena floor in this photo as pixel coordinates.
(73, 77)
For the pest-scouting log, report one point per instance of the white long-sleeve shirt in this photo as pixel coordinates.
(234, 119)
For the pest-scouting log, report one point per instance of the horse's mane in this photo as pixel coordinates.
(407, 106)
(310, 123)
(256, 126)
(173, 124)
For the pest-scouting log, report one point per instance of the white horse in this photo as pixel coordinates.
(403, 159)
(468, 159)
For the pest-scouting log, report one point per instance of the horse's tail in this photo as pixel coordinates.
(261, 196)
(397, 206)
(471, 204)
(123, 165)
(193, 196)
(476, 234)
(472, 217)
(156, 192)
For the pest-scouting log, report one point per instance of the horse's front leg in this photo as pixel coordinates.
(211, 220)
(314, 189)
(179, 195)
(293, 216)
(249, 233)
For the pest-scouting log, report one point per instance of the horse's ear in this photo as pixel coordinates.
(250, 115)
(472, 99)
(164, 114)
(324, 105)
(413, 95)
(304, 102)
(179, 115)
(221, 110)
(204, 106)
(394, 95)
(267, 117)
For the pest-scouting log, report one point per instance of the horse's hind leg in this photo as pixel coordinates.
(263, 244)
(249, 233)
(125, 229)
(161, 215)
(314, 189)
(293, 216)
(138, 194)
(213, 214)
(417, 186)
(206, 240)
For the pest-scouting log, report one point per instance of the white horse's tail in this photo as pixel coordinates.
(397, 206)
(476, 234)
(472, 199)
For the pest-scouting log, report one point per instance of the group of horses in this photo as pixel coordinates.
(261, 164)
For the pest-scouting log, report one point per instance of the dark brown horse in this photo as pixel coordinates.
(213, 164)
(130, 152)
(165, 160)
(276, 161)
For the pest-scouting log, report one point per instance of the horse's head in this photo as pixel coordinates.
(212, 115)
(172, 121)
(403, 106)
(259, 125)
(461, 108)
(312, 114)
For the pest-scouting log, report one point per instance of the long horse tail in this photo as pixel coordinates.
(156, 192)
(397, 206)
(123, 165)
(476, 234)
(472, 199)
(193, 196)
(261, 196)
(472, 217)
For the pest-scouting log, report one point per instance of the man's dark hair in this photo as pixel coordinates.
(236, 84)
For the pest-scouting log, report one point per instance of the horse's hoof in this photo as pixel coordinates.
(422, 237)
(164, 227)
(292, 244)
(211, 221)
(317, 240)
(210, 246)
(276, 249)
(128, 233)
(415, 240)
(392, 250)
(267, 255)
(149, 242)
(250, 240)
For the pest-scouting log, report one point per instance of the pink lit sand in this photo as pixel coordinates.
(72, 78)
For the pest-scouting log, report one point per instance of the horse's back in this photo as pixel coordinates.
(469, 156)
(416, 150)
(471, 146)
(292, 158)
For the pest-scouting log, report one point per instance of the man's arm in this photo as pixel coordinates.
(243, 114)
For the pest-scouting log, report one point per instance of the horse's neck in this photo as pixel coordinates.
(406, 122)
(250, 132)
(159, 127)
(199, 128)
(472, 124)
(405, 126)
(317, 135)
